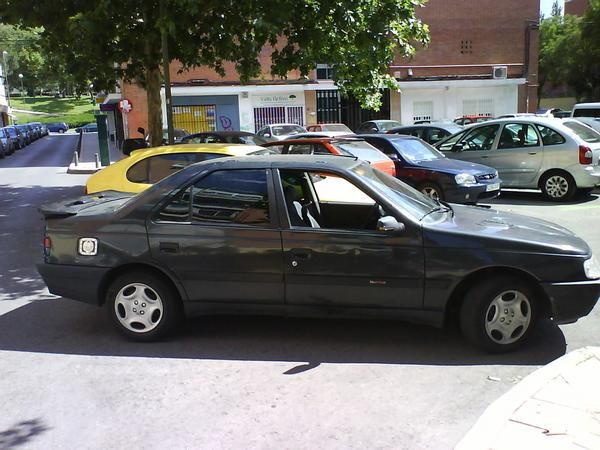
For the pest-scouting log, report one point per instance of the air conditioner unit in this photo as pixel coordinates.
(499, 72)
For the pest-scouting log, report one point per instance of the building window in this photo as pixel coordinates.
(466, 46)
(324, 72)
(479, 107)
(422, 111)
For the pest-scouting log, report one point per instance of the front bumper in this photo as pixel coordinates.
(470, 193)
(572, 300)
(75, 282)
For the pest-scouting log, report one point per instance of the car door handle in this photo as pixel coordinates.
(533, 153)
(484, 156)
(169, 247)
(300, 255)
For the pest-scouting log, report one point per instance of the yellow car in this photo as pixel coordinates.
(145, 167)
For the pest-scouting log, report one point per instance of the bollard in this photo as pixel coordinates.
(97, 160)
(76, 159)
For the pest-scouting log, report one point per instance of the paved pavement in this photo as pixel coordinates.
(556, 407)
(89, 158)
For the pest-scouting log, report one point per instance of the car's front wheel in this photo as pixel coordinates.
(498, 313)
(143, 306)
(432, 190)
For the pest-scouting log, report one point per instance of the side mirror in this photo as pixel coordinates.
(267, 135)
(130, 145)
(393, 156)
(141, 131)
(390, 224)
(457, 148)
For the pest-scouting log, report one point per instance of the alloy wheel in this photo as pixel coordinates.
(508, 317)
(138, 308)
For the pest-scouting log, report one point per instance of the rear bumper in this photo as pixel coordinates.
(74, 282)
(572, 300)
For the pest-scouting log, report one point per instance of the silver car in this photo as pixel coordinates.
(532, 153)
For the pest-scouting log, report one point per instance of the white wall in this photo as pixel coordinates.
(449, 97)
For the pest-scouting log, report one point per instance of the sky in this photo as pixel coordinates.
(546, 6)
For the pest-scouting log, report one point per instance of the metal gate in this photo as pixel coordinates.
(195, 118)
(329, 106)
(278, 114)
(332, 107)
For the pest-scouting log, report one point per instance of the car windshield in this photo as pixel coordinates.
(414, 150)
(336, 127)
(282, 130)
(361, 149)
(584, 132)
(384, 126)
(417, 204)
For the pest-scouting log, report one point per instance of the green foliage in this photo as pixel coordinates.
(104, 40)
(570, 52)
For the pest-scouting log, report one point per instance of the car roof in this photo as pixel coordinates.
(224, 149)
(222, 133)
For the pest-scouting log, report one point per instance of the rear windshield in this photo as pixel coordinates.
(585, 133)
(586, 112)
(336, 127)
(361, 149)
(280, 130)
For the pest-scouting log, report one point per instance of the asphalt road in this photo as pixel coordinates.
(68, 380)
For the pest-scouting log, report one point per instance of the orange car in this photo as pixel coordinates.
(347, 146)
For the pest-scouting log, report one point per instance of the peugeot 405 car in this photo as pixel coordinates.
(312, 236)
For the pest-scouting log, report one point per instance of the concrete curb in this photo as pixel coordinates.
(557, 406)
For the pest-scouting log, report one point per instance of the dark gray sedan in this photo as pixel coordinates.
(317, 236)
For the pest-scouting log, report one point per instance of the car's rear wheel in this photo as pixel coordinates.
(142, 306)
(61, 130)
(498, 313)
(558, 186)
(432, 190)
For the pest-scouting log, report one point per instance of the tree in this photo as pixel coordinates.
(103, 40)
(586, 75)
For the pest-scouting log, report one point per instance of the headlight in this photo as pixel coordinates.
(591, 268)
(465, 178)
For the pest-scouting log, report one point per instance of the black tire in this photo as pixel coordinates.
(431, 190)
(558, 186)
(61, 131)
(143, 307)
(498, 313)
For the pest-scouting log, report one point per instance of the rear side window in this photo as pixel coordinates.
(585, 133)
(152, 170)
(549, 136)
(232, 196)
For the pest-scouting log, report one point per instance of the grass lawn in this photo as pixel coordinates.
(70, 110)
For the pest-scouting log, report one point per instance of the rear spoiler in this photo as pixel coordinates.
(73, 206)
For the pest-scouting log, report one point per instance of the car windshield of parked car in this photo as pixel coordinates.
(384, 126)
(361, 149)
(414, 150)
(283, 130)
(414, 202)
(335, 127)
(584, 132)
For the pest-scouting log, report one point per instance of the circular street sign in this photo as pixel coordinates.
(125, 106)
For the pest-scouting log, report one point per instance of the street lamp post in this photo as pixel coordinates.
(21, 80)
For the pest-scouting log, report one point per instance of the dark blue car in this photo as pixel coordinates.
(57, 127)
(428, 170)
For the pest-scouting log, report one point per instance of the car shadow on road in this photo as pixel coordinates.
(69, 327)
(535, 198)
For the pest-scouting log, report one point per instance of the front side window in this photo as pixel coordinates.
(232, 196)
(480, 138)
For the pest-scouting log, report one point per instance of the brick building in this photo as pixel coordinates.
(576, 7)
(481, 61)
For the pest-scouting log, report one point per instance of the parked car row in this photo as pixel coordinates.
(15, 137)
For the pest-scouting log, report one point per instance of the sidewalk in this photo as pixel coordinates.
(87, 158)
(556, 407)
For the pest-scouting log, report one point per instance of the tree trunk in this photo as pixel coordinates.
(153, 84)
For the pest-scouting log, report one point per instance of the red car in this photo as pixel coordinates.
(355, 147)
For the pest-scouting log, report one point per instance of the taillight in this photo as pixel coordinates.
(47, 245)
(585, 155)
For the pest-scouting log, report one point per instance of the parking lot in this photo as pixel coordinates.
(69, 380)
